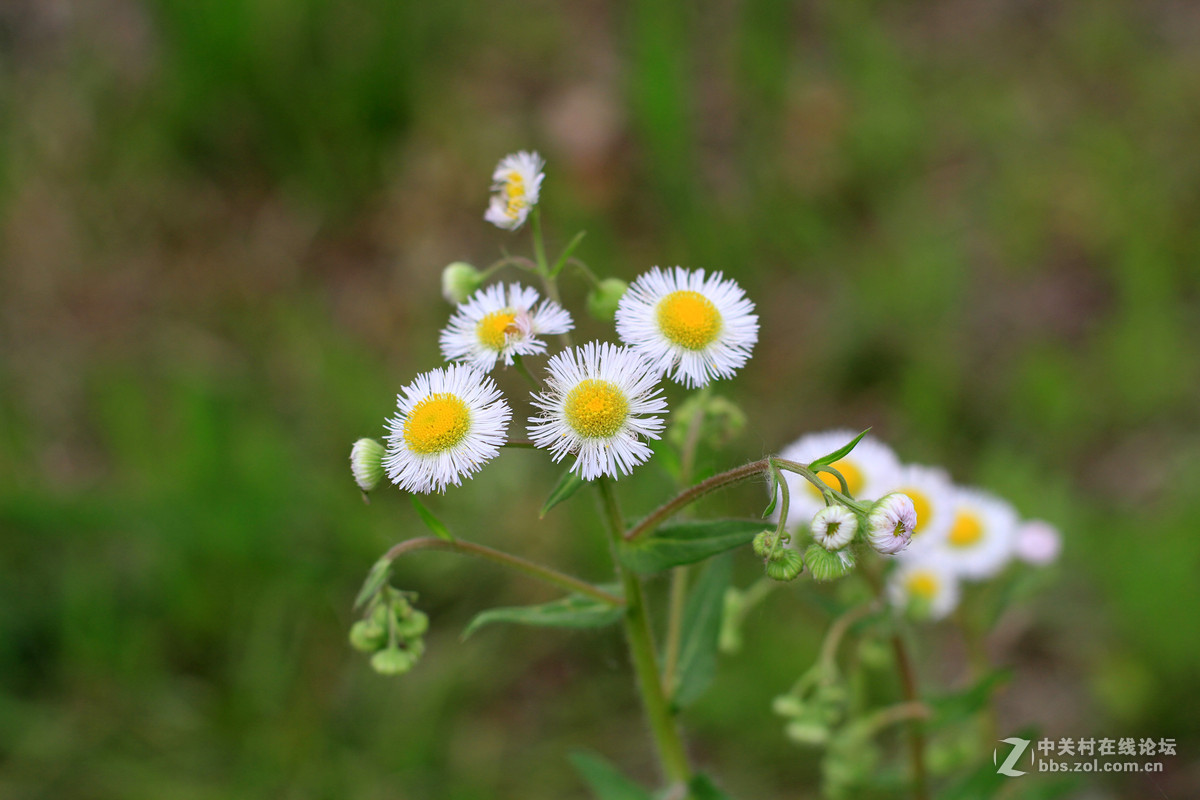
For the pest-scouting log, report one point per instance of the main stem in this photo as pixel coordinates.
(641, 647)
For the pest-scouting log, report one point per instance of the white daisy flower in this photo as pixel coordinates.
(498, 323)
(870, 470)
(890, 523)
(601, 401)
(927, 586)
(981, 536)
(834, 526)
(449, 422)
(930, 490)
(1038, 543)
(701, 328)
(516, 183)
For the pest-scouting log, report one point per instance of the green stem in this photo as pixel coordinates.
(514, 261)
(530, 568)
(519, 364)
(694, 493)
(641, 647)
(980, 666)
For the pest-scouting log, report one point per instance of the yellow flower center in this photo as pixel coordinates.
(494, 328)
(966, 530)
(437, 423)
(689, 319)
(514, 193)
(921, 505)
(852, 474)
(922, 585)
(596, 409)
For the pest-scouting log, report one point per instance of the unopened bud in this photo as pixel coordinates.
(392, 661)
(764, 543)
(834, 526)
(785, 566)
(891, 522)
(459, 281)
(826, 566)
(366, 462)
(602, 300)
(367, 636)
(807, 731)
(413, 625)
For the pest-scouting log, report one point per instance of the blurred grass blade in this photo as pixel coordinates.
(605, 781)
(567, 485)
(573, 611)
(376, 578)
(702, 629)
(687, 543)
(840, 453)
(433, 523)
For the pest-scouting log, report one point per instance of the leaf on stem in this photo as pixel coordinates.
(431, 522)
(686, 543)
(774, 493)
(573, 611)
(605, 781)
(701, 631)
(376, 578)
(566, 253)
(838, 454)
(567, 485)
(957, 706)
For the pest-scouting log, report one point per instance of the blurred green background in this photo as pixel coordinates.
(973, 225)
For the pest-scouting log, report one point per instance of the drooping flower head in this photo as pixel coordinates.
(366, 463)
(600, 402)
(890, 523)
(449, 422)
(516, 184)
(694, 327)
(500, 322)
(981, 537)
(834, 526)
(869, 469)
(926, 586)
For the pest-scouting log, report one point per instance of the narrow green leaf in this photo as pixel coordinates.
(840, 453)
(701, 631)
(566, 253)
(431, 522)
(573, 611)
(774, 494)
(687, 543)
(376, 578)
(704, 789)
(567, 485)
(605, 781)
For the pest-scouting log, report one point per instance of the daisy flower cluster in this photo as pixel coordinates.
(942, 534)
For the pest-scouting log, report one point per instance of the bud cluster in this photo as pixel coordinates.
(392, 631)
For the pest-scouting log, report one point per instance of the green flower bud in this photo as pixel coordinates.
(367, 636)
(412, 625)
(787, 705)
(764, 543)
(826, 566)
(807, 731)
(366, 462)
(602, 300)
(392, 661)
(459, 281)
(786, 566)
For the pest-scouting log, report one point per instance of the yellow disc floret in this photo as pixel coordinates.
(596, 409)
(437, 423)
(494, 328)
(966, 530)
(852, 474)
(922, 585)
(514, 193)
(921, 505)
(689, 319)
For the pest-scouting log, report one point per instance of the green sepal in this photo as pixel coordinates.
(573, 611)
(701, 632)
(431, 522)
(686, 543)
(605, 781)
(376, 578)
(838, 454)
(567, 485)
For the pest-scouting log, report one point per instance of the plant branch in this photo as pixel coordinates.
(694, 493)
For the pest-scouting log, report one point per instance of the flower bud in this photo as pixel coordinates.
(788, 705)
(807, 731)
(459, 281)
(890, 523)
(366, 462)
(392, 661)
(785, 566)
(602, 300)
(1038, 543)
(834, 526)
(367, 636)
(412, 625)
(826, 566)
(764, 543)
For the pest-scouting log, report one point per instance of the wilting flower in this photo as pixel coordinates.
(600, 403)
(498, 323)
(696, 328)
(449, 422)
(516, 184)
(890, 523)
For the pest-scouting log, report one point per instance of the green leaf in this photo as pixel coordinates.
(376, 578)
(838, 454)
(704, 789)
(687, 543)
(567, 485)
(958, 706)
(604, 780)
(774, 493)
(431, 522)
(573, 611)
(701, 631)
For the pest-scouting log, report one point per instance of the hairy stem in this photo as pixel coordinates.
(530, 568)
(694, 493)
(641, 647)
